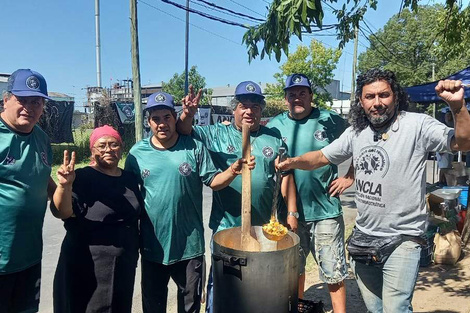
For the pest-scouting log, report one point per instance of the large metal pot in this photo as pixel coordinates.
(255, 282)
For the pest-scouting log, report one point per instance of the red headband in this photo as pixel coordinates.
(103, 131)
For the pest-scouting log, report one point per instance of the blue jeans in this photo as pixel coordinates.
(390, 289)
(210, 293)
(210, 283)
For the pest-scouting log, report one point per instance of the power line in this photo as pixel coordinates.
(380, 52)
(388, 50)
(220, 11)
(192, 24)
(247, 8)
(211, 17)
(228, 10)
(325, 44)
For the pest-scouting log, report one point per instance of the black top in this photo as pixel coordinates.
(99, 254)
(102, 203)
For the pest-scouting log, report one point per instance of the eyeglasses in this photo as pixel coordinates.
(112, 146)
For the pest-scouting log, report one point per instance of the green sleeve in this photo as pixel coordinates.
(206, 168)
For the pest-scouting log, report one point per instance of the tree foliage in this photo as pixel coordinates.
(314, 61)
(286, 18)
(175, 86)
(412, 41)
(274, 106)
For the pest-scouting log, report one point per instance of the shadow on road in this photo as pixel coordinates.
(354, 302)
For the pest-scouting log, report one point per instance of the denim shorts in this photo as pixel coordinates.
(325, 240)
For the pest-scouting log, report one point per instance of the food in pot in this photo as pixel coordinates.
(275, 228)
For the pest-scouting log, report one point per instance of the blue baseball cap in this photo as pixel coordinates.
(27, 83)
(297, 80)
(248, 88)
(160, 99)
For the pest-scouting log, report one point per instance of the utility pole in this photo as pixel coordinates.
(433, 115)
(136, 71)
(434, 105)
(353, 80)
(98, 43)
(186, 74)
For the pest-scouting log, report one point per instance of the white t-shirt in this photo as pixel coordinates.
(390, 175)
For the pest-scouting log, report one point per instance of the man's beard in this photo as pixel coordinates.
(378, 121)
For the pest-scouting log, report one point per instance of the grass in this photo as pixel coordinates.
(82, 164)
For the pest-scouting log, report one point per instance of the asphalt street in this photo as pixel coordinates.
(54, 232)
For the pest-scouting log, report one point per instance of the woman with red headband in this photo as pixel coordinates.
(100, 205)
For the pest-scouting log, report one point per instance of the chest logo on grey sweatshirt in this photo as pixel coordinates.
(185, 169)
(373, 160)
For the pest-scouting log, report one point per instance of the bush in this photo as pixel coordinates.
(81, 147)
(274, 107)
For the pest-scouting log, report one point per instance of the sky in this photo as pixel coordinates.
(57, 39)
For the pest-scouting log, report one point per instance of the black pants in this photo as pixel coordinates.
(186, 274)
(19, 292)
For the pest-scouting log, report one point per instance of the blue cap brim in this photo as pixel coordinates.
(30, 93)
(250, 94)
(285, 88)
(163, 106)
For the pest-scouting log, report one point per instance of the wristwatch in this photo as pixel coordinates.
(294, 214)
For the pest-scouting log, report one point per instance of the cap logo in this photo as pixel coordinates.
(250, 88)
(32, 82)
(160, 98)
(296, 79)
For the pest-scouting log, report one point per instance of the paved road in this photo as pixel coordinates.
(54, 233)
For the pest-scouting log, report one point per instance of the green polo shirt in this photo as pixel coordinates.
(224, 143)
(171, 184)
(24, 174)
(312, 133)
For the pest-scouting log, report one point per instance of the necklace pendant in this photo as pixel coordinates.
(385, 136)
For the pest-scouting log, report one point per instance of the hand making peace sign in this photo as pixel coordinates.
(66, 172)
(191, 102)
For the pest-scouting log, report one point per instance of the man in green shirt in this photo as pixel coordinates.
(224, 143)
(25, 167)
(321, 228)
(171, 169)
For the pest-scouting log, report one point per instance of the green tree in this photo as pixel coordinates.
(314, 61)
(286, 18)
(409, 49)
(273, 107)
(175, 86)
(412, 41)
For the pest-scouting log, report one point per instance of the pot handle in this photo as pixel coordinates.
(229, 260)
